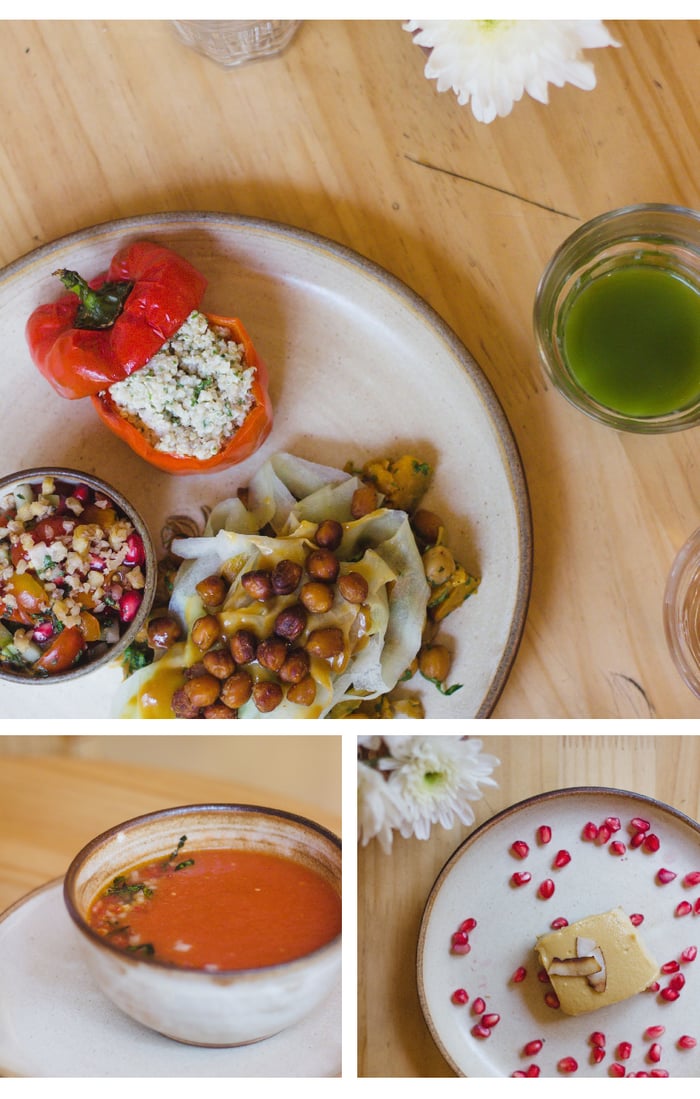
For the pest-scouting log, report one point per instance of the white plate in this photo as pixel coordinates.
(475, 882)
(360, 367)
(54, 1021)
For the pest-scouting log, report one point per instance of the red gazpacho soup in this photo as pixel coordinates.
(218, 908)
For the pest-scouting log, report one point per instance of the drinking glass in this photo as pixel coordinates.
(681, 612)
(232, 42)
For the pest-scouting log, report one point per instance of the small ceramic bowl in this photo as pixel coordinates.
(127, 622)
(228, 1007)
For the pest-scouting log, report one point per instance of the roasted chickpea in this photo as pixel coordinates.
(202, 690)
(326, 642)
(237, 689)
(303, 692)
(219, 663)
(243, 646)
(163, 632)
(218, 710)
(182, 705)
(212, 590)
(434, 662)
(295, 667)
(322, 564)
(272, 653)
(206, 631)
(291, 622)
(426, 526)
(364, 500)
(194, 670)
(258, 584)
(353, 587)
(286, 576)
(316, 596)
(329, 534)
(267, 696)
(438, 565)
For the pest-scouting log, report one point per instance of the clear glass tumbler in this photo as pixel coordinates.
(681, 612)
(232, 42)
(618, 308)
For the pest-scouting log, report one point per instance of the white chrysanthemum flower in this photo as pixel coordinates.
(379, 810)
(492, 62)
(435, 778)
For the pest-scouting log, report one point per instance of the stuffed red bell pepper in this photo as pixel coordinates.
(184, 389)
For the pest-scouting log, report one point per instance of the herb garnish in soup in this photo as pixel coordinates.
(219, 908)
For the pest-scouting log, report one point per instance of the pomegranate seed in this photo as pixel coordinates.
(686, 1042)
(517, 1075)
(532, 1070)
(544, 833)
(468, 925)
(491, 1020)
(597, 1038)
(616, 1069)
(590, 831)
(460, 948)
(670, 967)
(552, 1000)
(460, 943)
(658, 1072)
(129, 605)
(561, 859)
(633, 1075)
(654, 1031)
(560, 922)
(693, 878)
(97, 562)
(696, 907)
(598, 1054)
(42, 632)
(689, 954)
(655, 1052)
(651, 842)
(684, 908)
(520, 848)
(533, 1048)
(480, 1031)
(617, 848)
(653, 987)
(460, 996)
(677, 982)
(135, 553)
(613, 823)
(83, 493)
(669, 994)
(639, 824)
(636, 918)
(664, 876)
(604, 834)
(519, 975)
(479, 1006)
(546, 889)
(624, 1051)
(521, 878)
(637, 839)
(543, 976)
(567, 1064)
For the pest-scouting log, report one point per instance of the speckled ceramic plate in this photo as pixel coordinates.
(360, 367)
(476, 883)
(55, 1022)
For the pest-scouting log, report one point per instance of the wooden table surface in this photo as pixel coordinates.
(393, 888)
(345, 137)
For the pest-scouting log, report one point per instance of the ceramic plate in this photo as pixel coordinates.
(475, 883)
(54, 1021)
(361, 367)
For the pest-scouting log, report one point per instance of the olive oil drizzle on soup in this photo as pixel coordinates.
(218, 909)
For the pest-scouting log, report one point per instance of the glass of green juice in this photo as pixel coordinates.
(617, 318)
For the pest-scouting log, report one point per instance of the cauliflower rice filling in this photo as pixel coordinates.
(191, 397)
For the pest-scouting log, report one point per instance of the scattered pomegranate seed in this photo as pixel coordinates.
(520, 848)
(561, 859)
(467, 925)
(517, 1075)
(669, 994)
(651, 842)
(624, 1051)
(491, 1020)
(543, 976)
(616, 1069)
(696, 907)
(597, 1038)
(460, 943)
(693, 878)
(684, 908)
(479, 1006)
(633, 1075)
(689, 954)
(567, 1064)
(42, 632)
(677, 982)
(480, 1031)
(597, 1054)
(521, 878)
(560, 922)
(533, 1048)
(532, 1070)
(590, 831)
(686, 1042)
(604, 834)
(670, 967)
(653, 987)
(658, 1072)
(544, 833)
(552, 1000)
(617, 848)
(519, 975)
(664, 876)
(654, 1031)
(82, 493)
(546, 889)
(638, 824)
(636, 918)
(638, 839)
(613, 823)
(655, 1052)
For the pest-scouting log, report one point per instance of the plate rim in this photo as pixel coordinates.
(502, 814)
(504, 436)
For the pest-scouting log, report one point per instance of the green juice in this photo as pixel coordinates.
(632, 340)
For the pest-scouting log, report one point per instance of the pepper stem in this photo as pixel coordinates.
(97, 308)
